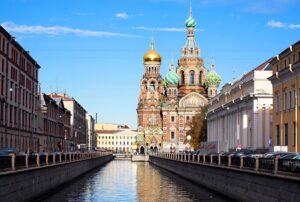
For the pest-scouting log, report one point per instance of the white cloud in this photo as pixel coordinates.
(81, 14)
(122, 15)
(58, 30)
(163, 29)
(278, 24)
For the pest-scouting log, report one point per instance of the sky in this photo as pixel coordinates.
(93, 49)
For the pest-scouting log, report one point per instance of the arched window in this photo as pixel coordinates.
(192, 77)
(200, 78)
(211, 92)
(169, 91)
(152, 85)
(175, 92)
(182, 77)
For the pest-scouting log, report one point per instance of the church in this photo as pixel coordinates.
(167, 105)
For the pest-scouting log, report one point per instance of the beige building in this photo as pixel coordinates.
(239, 115)
(119, 140)
(286, 90)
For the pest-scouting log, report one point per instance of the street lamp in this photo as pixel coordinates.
(189, 137)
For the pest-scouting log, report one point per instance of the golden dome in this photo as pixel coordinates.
(152, 55)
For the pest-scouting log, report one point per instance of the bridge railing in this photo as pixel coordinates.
(16, 162)
(273, 165)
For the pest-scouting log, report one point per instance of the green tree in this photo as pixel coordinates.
(198, 130)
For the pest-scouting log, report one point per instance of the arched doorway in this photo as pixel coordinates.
(142, 150)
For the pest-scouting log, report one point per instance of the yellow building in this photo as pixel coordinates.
(286, 98)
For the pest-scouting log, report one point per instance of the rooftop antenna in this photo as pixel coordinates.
(234, 76)
(56, 82)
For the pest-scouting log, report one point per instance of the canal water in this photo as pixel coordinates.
(122, 180)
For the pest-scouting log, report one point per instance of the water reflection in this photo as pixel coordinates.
(126, 181)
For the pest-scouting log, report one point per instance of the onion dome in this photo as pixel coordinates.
(152, 55)
(212, 78)
(172, 78)
(190, 22)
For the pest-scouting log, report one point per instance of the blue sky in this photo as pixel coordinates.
(93, 49)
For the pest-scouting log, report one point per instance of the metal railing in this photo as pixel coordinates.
(16, 162)
(273, 165)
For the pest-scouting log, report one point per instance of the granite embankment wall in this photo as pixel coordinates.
(29, 184)
(238, 184)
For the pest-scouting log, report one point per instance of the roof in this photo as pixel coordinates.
(288, 49)
(18, 46)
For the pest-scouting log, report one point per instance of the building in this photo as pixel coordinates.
(53, 125)
(18, 95)
(286, 98)
(240, 114)
(120, 140)
(106, 126)
(166, 106)
(78, 119)
(90, 133)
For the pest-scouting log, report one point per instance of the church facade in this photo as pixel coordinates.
(167, 105)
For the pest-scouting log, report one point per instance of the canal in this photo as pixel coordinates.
(122, 180)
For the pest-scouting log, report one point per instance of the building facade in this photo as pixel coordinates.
(166, 106)
(121, 140)
(54, 125)
(90, 133)
(78, 120)
(240, 115)
(286, 98)
(18, 95)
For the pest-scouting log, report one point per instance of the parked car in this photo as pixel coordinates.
(7, 151)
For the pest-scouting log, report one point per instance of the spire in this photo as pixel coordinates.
(152, 41)
(191, 11)
(171, 64)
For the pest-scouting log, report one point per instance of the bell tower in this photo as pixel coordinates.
(151, 90)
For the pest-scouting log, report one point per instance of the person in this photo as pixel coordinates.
(270, 141)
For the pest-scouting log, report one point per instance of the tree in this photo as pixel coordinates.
(198, 130)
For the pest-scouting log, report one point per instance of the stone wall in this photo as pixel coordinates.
(28, 184)
(241, 185)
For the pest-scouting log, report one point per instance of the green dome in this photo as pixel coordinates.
(213, 79)
(190, 22)
(172, 78)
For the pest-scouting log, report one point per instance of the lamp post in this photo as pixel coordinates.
(189, 137)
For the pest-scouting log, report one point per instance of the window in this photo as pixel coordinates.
(299, 56)
(294, 59)
(200, 78)
(298, 97)
(172, 118)
(192, 77)
(277, 103)
(290, 100)
(172, 135)
(187, 118)
(182, 77)
(277, 135)
(284, 101)
(152, 86)
(286, 134)
(294, 134)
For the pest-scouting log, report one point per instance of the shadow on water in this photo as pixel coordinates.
(127, 181)
(196, 191)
